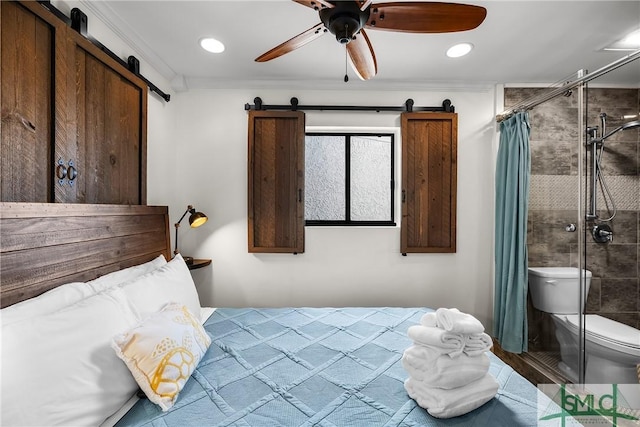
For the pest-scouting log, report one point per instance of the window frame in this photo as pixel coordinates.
(348, 134)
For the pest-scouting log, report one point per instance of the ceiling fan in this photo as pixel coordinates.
(347, 20)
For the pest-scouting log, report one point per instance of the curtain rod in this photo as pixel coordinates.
(535, 101)
(407, 108)
(78, 22)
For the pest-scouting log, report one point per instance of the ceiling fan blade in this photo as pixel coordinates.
(362, 56)
(293, 43)
(425, 17)
(315, 4)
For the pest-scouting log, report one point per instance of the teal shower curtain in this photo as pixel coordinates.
(513, 170)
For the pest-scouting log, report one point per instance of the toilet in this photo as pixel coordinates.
(612, 348)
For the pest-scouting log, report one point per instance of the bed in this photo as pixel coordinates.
(263, 366)
(318, 366)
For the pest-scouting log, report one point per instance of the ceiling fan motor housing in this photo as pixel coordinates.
(344, 20)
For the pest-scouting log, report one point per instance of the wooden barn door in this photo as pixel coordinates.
(429, 153)
(276, 181)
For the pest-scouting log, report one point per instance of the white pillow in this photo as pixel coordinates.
(126, 275)
(71, 293)
(58, 369)
(170, 283)
(47, 302)
(163, 351)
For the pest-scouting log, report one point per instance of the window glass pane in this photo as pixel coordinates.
(371, 178)
(324, 178)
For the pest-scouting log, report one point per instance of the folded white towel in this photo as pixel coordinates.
(445, 372)
(476, 344)
(452, 320)
(429, 319)
(428, 354)
(452, 403)
(448, 342)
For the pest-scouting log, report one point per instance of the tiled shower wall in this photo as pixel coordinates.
(554, 197)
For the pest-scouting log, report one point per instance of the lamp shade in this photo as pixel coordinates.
(197, 219)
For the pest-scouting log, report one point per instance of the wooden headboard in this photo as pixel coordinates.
(45, 245)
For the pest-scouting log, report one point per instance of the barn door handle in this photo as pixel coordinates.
(404, 196)
(63, 171)
(72, 172)
(300, 195)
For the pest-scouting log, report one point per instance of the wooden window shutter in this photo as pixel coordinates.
(429, 158)
(276, 181)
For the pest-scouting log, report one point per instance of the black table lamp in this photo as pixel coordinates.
(196, 219)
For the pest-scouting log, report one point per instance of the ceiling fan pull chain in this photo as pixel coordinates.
(346, 77)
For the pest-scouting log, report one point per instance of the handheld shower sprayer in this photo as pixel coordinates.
(597, 149)
(625, 126)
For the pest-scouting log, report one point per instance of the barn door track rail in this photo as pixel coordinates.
(408, 107)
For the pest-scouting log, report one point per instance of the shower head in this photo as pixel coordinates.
(633, 124)
(625, 126)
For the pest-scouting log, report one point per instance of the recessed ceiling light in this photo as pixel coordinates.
(212, 45)
(628, 43)
(459, 50)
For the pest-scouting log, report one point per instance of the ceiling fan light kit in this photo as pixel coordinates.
(347, 21)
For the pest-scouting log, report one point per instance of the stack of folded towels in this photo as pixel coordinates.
(447, 365)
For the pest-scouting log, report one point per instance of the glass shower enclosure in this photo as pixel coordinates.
(584, 228)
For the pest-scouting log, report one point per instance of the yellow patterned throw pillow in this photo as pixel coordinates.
(162, 352)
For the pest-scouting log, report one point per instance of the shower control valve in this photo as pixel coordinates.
(602, 233)
(570, 228)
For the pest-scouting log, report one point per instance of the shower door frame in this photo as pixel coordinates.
(583, 179)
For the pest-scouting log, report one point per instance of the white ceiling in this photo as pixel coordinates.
(519, 42)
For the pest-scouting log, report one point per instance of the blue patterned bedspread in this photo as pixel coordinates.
(329, 367)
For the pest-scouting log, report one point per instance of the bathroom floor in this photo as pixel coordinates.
(538, 367)
(547, 362)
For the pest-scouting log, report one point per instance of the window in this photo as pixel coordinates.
(349, 179)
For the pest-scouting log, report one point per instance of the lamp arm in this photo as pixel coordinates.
(177, 225)
(189, 209)
(175, 249)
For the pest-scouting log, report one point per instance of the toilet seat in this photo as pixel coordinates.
(607, 332)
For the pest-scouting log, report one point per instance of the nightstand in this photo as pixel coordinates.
(199, 263)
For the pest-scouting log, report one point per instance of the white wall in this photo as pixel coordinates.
(341, 266)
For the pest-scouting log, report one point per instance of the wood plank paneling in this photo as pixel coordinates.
(46, 245)
(110, 115)
(27, 43)
(276, 181)
(429, 181)
(66, 138)
(21, 233)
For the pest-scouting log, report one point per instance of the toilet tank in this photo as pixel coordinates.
(557, 289)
